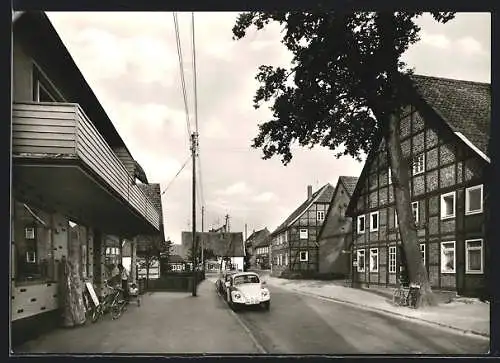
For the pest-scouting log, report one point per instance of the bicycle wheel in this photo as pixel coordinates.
(117, 310)
(95, 313)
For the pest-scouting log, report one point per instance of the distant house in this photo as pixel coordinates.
(294, 244)
(444, 136)
(229, 248)
(335, 234)
(255, 239)
(262, 253)
(176, 263)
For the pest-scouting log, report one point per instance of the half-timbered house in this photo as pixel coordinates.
(294, 244)
(445, 137)
(335, 235)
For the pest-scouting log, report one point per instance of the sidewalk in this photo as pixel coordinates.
(166, 322)
(466, 315)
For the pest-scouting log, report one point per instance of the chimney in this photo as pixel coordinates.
(309, 192)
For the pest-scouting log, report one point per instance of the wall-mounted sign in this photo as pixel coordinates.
(29, 233)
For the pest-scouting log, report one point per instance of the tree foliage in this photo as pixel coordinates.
(340, 71)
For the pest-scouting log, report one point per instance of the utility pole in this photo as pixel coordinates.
(227, 223)
(202, 230)
(245, 232)
(194, 142)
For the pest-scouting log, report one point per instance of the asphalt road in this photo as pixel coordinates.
(298, 324)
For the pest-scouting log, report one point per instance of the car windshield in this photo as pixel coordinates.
(246, 279)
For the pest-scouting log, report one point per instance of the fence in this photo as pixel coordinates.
(181, 282)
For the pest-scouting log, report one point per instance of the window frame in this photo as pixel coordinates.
(392, 270)
(467, 249)
(424, 251)
(467, 200)
(443, 207)
(364, 224)
(414, 163)
(318, 213)
(358, 255)
(306, 233)
(389, 176)
(378, 261)
(454, 257)
(396, 222)
(306, 259)
(374, 229)
(415, 215)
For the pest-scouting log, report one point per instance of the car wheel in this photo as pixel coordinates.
(267, 305)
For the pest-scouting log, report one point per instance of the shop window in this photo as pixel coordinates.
(33, 249)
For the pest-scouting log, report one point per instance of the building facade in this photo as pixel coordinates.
(71, 189)
(262, 254)
(335, 235)
(445, 137)
(254, 240)
(294, 244)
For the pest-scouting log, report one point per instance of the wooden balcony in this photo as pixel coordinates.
(59, 157)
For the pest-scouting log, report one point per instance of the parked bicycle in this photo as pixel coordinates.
(112, 302)
(406, 296)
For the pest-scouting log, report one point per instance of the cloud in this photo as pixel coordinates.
(436, 40)
(264, 197)
(238, 188)
(470, 46)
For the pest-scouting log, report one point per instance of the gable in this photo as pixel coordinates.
(421, 133)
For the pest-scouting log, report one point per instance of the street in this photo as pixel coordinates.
(300, 324)
(296, 324)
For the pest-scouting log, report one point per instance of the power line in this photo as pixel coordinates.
(181, 66)
(176, 175)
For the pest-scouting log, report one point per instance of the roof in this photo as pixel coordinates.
(322, 195)
(228, 244)
(464, 105)
(349, 183)
(153, 192)
(175, 259)
(258, 237)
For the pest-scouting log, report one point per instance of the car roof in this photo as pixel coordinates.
(246, 274)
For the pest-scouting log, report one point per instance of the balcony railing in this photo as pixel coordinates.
(63, 130)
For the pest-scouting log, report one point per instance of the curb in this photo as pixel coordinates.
(392, 313)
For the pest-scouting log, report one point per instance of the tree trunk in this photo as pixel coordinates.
(73, 306)
(417, 272)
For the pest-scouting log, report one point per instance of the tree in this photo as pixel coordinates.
(150, 248)
(348, 89)
(246, 260)
(165, 253)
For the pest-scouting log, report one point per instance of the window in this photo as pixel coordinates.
(474, 256)
(389, 175)
(304, 256)
(414, 208)
(43, 90)
(422, 252)
(419, 164)
(303, 233)
(286, 259)
(474, 199)
(374, 259)
(448, 205)
(320, 216)
(374, 221)
(361, 224)
(395, 218)
(392, 259)
(448, 257)
(361, 260)
(33, 247)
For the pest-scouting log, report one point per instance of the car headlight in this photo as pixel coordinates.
(237, 295)
(265, 292)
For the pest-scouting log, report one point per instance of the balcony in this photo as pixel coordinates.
(62, 162)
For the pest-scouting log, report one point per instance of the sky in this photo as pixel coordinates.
(130, 60)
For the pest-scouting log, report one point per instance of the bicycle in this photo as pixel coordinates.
(107, 303)
(406, 296)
